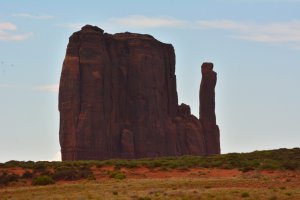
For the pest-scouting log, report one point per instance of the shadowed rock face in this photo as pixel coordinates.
(118, 99)
(207, 109)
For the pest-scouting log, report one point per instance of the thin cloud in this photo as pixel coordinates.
(7, 86)
(7, 26)
(273, 32)
(138, 21)
(31, 16)
(280, 32)
(73, 26)
(7, 33)
(4, 36)
(48, 88)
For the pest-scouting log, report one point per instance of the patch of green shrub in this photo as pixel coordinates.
(246, 169)
(43, 180)
(291, 165)
(6, 178)
(84, 173)
(117, 175)
(279, 159)
(270, 165)
(40, 166)
(65, 173)
(71, 173)
(27, 175)
(91, 177)
(245, 194)
(288, 194)
(12, 163)
(131, 164)
(273, 198)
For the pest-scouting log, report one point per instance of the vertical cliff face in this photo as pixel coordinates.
(207, 109)
(118, 99)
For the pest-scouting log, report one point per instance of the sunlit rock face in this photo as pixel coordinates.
(118, 99)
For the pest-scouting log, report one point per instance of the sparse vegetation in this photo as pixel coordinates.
(43, 180)
(117, 175)
(198, 183)
(154, 189)
(280, 159)
(27, 175)
(245, 194)
(273, 198)
(6, 178)
(71, 173)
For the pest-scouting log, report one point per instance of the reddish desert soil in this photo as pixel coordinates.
(275, 178)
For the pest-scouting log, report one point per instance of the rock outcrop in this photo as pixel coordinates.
(207, 109)
(118, 99)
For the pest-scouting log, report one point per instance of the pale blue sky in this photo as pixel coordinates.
(254, 44)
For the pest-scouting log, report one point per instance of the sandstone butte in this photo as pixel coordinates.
(118, 99)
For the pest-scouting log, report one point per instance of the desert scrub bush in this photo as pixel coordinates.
(6, 178)
(91, 177)
(85, 174)
(65, 173)
(27, 164)
(22, 164)
(99, 165)
(11, 163)
(288, 194)
(117, 175)
(273, 198)
(132, 165)
(43, 180)
(282, 188)
(108, 163)
(164, 169)
(71, 173)
(40, 168)
(207, 186)
(291, 165)
(245, 194)
(27, 175)
(183, 168)
(280, 159)
(246, 169)
(270, 165)
(173, 165)
(154, 164)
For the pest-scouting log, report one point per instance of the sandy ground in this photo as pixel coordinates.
(163, 184)
(275, 178)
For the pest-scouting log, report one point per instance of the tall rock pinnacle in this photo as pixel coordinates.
(118, 99)
(207, 109)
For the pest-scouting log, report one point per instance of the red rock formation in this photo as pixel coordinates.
(118, 99)
(207, 109)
